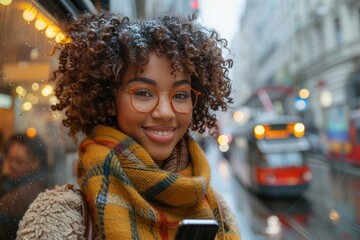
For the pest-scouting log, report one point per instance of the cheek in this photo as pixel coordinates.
(126, 115)
(185, 120)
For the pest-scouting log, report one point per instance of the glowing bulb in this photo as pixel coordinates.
(31, 132)
(5, 2)
(326, 99)
(238, 116)
(223, 139)
(334, 216)
(304, 93)
(34, 54)
(27, 106)
(60, 38)
(35, 86)
(50, 31)
(19, 90)
(29, 14)
(299, 129)
(47, 90)
(259, 131)
(40, 24)
(34, 100)
(53, 100)
(224, 147)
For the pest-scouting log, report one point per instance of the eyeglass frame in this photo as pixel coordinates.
(131, 92)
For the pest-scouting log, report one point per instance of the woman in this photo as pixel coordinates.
(23, 177)
(136, 90)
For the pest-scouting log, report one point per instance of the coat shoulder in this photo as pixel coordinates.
(55, 214)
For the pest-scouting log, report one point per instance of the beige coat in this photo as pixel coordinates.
(55, 214)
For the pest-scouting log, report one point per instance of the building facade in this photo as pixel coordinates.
(306, 44)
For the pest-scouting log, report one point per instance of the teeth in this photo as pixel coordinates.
(161, 133)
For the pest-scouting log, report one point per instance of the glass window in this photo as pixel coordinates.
(284, 159)
(338, 32)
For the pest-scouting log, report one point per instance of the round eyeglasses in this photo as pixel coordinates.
(144, 99)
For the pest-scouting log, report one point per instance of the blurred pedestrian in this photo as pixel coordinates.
(136, 89)
(23, 177)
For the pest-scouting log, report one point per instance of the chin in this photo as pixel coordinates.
(159, 157)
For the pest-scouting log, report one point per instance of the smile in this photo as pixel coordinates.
(164, 135)
(160, 133)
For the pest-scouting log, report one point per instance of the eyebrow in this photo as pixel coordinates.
(153, 82)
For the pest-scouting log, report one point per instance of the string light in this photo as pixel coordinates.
(29, 14)
(51, 31)
(60, 38)
(40, 24)
(5, 2)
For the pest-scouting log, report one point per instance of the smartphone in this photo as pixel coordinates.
(197, 229)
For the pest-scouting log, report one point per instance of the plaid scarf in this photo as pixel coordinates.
(130, 197)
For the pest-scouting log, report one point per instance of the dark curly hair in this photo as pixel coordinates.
(103, 46)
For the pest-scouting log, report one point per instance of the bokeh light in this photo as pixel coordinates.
(47, 90)
(29, 14)
(304, 93)
(31, 132)
(5, 2)
(40, 24)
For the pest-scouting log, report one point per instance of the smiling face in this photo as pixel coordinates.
(160, 129)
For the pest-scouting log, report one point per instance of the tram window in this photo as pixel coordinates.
(278, 126)
(283, 159)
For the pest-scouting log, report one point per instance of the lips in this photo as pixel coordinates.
(160, 134)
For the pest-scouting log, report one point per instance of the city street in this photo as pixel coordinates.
(330, 208)
(288, 82)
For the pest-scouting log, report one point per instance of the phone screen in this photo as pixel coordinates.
(197, 229)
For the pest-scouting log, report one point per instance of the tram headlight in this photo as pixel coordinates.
(299, 129)
(259, 131)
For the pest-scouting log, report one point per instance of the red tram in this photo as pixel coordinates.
(266, 155)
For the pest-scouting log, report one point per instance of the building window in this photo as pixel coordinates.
(338, 32)
(320, 38)
(310, 46)
(359, 19)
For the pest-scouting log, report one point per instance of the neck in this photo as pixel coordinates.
(159, 163)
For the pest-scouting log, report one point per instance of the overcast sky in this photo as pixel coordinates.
(223, 15)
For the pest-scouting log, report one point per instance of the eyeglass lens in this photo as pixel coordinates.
(182, 99)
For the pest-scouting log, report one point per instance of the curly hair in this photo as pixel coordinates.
(103, 46)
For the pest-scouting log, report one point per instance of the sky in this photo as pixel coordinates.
(222, 15)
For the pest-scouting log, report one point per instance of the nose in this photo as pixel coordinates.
(163, 110)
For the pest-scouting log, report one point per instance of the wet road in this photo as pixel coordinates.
(329, 209)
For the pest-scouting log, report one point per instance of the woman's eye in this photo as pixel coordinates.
(182, 95)
(143, 92)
